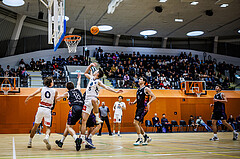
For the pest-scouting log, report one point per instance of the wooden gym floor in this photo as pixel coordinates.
(169, 145)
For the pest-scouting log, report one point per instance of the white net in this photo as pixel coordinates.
(5, 88)
(72, 41)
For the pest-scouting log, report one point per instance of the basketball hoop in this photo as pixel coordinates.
(5, 88)
(197, 92)
(72, 42)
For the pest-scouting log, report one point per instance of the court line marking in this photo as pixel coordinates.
(214, 153)
(131, 155)
(14, 151)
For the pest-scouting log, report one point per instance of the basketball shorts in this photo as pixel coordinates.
(87, 108)
(75, 113)
(219, 116)
(117, 118)
(45, 113)
(140, 113)
(91, 122)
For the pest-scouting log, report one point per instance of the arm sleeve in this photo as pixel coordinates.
(108, 109)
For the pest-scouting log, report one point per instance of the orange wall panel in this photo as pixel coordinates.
(16, 117)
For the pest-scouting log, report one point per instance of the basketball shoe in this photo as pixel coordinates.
(59, 143)
(48, 146)
(235, 135)
(214, 139)
(138, 142)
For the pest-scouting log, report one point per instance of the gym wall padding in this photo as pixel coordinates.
(16, 117)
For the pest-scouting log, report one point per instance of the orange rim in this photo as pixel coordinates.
(70, 36)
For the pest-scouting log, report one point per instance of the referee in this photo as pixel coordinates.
(104, 112)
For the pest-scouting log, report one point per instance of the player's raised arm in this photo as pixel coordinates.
(108, 88)
(88, 69)
(32, 95)
(79, 81)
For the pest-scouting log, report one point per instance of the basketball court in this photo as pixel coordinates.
(171, 145)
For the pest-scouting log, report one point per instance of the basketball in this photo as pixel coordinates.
(94, 30)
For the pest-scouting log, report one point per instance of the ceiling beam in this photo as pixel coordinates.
(139, 22)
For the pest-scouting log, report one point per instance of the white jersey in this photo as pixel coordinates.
(92, 89)
(47, 97)
(118, 107)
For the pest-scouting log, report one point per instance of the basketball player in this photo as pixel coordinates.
(219, 113)
(48, 98)
(91, 101)
(117, 108)
(76, 102)
(143, 106)
(92, 130)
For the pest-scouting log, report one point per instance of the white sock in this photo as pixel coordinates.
(144, 134)
(75, 137)
(215, 135)
(114, 131)
(139, 135)
(97, 114)
(30, 140)
(234, 132)
(90, 136)
(118, 132)
(63, 138)
(47, 136)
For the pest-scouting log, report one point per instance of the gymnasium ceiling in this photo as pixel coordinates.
(133, 16)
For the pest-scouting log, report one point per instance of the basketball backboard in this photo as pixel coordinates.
(56, 21)
(9, 85)
(194, 87)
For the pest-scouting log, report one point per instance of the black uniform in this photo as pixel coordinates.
(142, 100)
(76, 101)
(219, 108)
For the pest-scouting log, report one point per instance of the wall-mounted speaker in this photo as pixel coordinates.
(209, 12)
(40, 15)
(158, 9)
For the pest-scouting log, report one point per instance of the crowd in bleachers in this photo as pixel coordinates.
(198, 124)
(162, 71)
(54, 68)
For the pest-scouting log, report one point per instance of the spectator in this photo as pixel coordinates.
(149, 76)
(22, 63)
(156, 122)
(200, 122)
(191, 122)
(25, 73)
(119, 78)
(104, 112)
(54, 60)
(33, 64)
(231, 121)
(165, 124)
(55, 66)
(1, 71)
(114, 68)
(55, 73)
(126, 79)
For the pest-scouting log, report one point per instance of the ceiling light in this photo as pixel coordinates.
(195, 33)
(163, 1)
(148, 32)
(13, 3)
(59, 18)
(194, 3)
(105, 27)
(239, 31)
(224, 5)
(178, 20)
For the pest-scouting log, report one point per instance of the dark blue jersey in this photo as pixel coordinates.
(75, 97)
(219, 106)
(142, 98)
